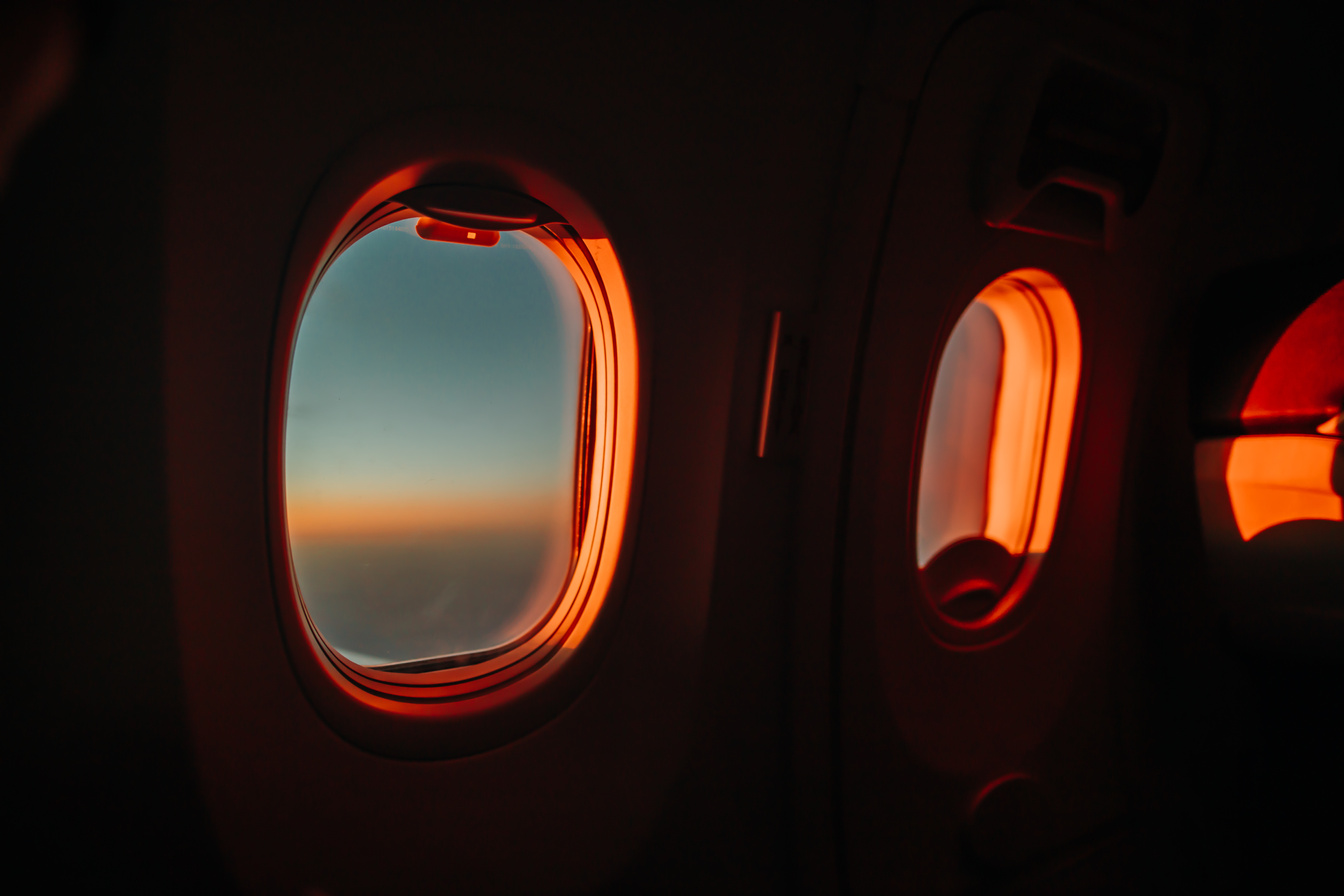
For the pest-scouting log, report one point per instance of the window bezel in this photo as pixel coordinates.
(464, 704)
(1054, 307)
(1276, 463)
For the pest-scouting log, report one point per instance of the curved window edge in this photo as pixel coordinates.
(973, 584)
(1289, 464)
(423, 714)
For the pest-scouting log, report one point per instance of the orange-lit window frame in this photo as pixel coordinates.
(1034, 406)
(608, 418)
(1285, 469)
(1279, 479)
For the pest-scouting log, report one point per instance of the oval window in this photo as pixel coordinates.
(1289, 466)
(455, 455)
(430, 444)
(995, 445)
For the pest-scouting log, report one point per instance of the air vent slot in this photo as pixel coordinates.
(1088, 121)
(1076, 162)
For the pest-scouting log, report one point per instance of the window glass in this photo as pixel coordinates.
(995, 444)
(960, 427)
(430, 444)
(1290, 466)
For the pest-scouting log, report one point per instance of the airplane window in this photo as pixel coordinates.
(1289, 464)
(432, 429)
(1278, 479)
(454, 414)
(995, 445)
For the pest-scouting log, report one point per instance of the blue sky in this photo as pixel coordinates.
(432, 371)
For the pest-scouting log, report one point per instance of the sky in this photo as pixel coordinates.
(433, 378)
(429, 444)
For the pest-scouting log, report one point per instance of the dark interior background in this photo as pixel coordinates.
(763, 143)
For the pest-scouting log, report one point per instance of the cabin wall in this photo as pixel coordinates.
(740, 731)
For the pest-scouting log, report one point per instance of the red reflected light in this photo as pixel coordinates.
(1273, 479)
(1301, 382)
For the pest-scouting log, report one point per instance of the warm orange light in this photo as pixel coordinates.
(1021, 416)
(1019, 424)
(597, 273)
(1273, 479)
(1042, 352)
(1016, 457)
(1277, 479)
(317, 518)
(613, 454)
(1068, 344)
(1033, 413)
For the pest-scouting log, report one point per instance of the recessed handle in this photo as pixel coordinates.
(481, 208)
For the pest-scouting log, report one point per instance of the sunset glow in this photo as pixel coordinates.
(1278, 479)
(1301, 381)
(998, 431)
(997, 437)
(1287, 475)
(373, 519)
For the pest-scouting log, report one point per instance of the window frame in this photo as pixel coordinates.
(1043, 297)
(466, 703)
(1277, 460)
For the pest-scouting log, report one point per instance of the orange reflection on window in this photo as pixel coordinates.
(1278, 479)
(996, 443)
(316, 519)
(1041, 358)
(593, 264)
